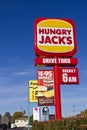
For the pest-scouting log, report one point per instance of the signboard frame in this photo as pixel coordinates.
(69, 76)
(53, 61)
(51, 23)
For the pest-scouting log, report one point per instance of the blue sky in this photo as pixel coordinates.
(17, 52)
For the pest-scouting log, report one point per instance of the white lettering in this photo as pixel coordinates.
(68, 79)
(68, 70)
(64, 60)
(49, 60)
(65, 77)
(72, 79)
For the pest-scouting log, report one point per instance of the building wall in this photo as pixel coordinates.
(21, 123)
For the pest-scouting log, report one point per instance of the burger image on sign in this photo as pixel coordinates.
(54, 37)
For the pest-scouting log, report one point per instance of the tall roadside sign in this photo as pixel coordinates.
(32, 96)
(55, 45)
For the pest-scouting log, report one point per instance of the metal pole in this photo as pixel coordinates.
(28, 108)
(57, 92)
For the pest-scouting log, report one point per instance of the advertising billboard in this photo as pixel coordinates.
(54, 37)
(45, 88)
(33, 91)
(69, 76)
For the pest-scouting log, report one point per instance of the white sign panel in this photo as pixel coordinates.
(36, 114)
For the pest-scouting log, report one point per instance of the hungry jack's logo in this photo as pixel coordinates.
(55, 37)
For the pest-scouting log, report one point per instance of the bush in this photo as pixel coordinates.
(63, 124)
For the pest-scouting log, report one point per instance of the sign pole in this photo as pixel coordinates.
(28, 108)
(57, 92)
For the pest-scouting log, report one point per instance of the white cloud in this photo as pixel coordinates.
(22, 73)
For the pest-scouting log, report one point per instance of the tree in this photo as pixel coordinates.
(84, 113)
(24, 112)
(16, 115)
(0, 115)
(31, 119)
(7, 114)
(0, 118)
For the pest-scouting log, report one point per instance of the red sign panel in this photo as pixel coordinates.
(54, 37)
(45, 88)
(53, 61)
(69, 76)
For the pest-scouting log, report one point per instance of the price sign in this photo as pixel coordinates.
(69, 76)
(45, 88)
(47, 74)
